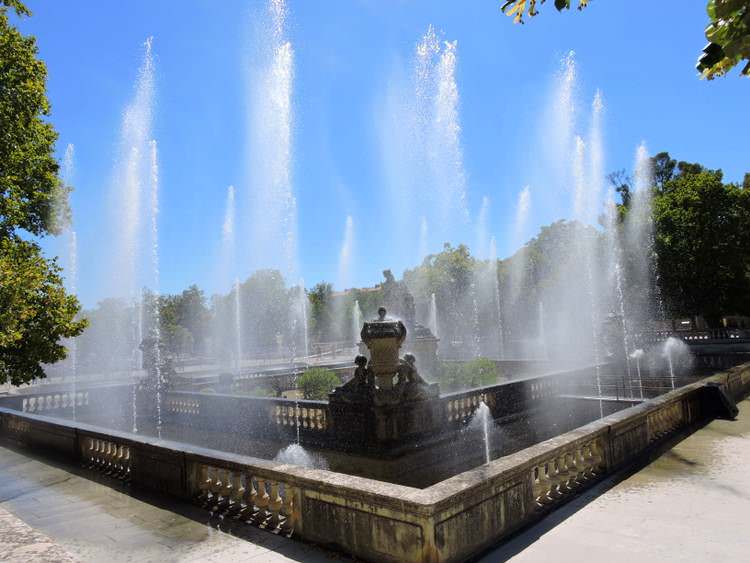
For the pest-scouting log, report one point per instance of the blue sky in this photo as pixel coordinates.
(641, 54)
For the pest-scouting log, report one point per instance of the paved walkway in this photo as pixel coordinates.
(690, 504)
(50, 514)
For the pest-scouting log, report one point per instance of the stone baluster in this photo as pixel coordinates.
(251, 500)
(216, 486)
(95, 453)
(565, 464)
(204, 486)
(118, 465)
(545, 484)
(289, 511)
(598, 461)
(224, 490)
(91, 457)
(580, 465)
(107, 466)
(275, 503)
(237, 507)
(537, 485)
(261, 500)
(587, 454)
(556, 478)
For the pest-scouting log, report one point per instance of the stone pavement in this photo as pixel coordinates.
(692, 503)
(51, 514)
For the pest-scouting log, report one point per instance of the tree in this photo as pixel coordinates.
(36, 313)
(728, 32)
(321, 314)
(703, 243)
(185, 320)
(316, 383)
(663, 166)
(450, 276)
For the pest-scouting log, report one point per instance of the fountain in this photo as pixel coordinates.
(155, 311)
(482, 235)
(637, 355)
(237, 327)
(639, 244)
(380, 383)
(356, 321)
(677, 353)
(387, 423)
(433, 316)
(495, 281)
(483, 420)
(519, 261)
(540, 329)
(343, 279)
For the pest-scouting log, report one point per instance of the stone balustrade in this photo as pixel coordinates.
(566, 470)
(183, 406)
(54, 401)
(241, 495)
(461, 409)
(304, 417)
(450, 521)
(106, 456)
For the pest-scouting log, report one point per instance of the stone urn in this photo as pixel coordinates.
(383, 338)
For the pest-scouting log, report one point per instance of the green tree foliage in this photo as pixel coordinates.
(316, 383)
(35, 312)
(450, 276)
(703, 243)
(479, 372)
(728, 31)
(321, 311)
(728, 34)
(185, 321)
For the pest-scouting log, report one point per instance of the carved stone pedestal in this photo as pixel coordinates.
(387, 402)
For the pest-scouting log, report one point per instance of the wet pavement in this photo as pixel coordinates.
(49, 513)
(690, 504)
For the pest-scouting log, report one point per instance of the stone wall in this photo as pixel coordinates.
(449, 521)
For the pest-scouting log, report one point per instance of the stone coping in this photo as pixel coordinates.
(434, 494)
(448, 521)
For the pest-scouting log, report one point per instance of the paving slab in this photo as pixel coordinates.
(54, 513)
(691, 503)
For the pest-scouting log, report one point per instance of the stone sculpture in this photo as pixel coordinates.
(386, 379)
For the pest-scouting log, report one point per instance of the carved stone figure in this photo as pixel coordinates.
(373, 381)
(359, 388)
(413, 387)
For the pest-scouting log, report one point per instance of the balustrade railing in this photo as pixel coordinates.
(106, 456)
(450, 521)
(566, 470)
(244, 496)
(54, 401)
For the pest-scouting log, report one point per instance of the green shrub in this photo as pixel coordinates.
(262, 391)
(316, 383)
(479, 372)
